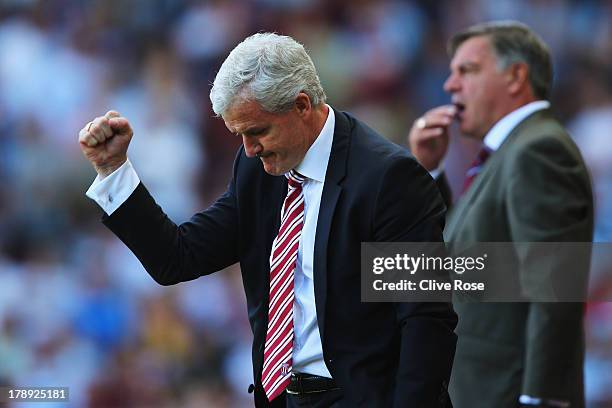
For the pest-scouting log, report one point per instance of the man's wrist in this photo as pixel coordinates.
(435, 172)
(110, 193)
(108, 169)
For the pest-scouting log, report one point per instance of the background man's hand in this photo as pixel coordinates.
(104, 142)
(428, 138)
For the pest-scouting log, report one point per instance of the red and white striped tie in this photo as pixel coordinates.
(279, 338)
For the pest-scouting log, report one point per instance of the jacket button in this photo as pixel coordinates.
(251, 388)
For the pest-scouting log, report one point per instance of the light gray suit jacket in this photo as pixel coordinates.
(535, 188)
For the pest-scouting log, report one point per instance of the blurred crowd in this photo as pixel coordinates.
(77, 309)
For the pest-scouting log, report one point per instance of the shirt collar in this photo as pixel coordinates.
(314, 164)
(500, 131)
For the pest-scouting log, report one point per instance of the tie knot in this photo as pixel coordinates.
(295, 179)
(476, 167)
(483, 155)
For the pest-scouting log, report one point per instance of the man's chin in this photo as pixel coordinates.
(467, 131)
(271, 168)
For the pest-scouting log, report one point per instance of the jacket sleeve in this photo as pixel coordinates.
(410, 209)
(445, 190)
(549, 199)
(174, 253)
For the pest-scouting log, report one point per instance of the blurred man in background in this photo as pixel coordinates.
(309, 185)
(528, 184)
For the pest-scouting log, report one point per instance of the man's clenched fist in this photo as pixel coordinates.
(104, 142)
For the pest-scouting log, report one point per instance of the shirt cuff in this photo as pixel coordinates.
(435, 173)
(113, 190)
(540, 402)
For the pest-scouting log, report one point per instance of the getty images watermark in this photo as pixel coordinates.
(478, 272)
(422, 263)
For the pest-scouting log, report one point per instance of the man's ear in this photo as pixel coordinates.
(302, 104)
(517, 76)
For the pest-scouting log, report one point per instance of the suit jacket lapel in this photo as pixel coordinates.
(458, 216)
(336, 171)
(276, 194)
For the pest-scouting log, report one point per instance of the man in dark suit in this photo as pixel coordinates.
(309, 185)
(528, 184)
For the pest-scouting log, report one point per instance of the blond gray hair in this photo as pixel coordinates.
(270, 69)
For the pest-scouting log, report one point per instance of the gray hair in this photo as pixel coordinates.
(514, 42)
(270, 69)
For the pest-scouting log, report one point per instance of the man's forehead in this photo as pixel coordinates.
(474, 50)
(243, 115)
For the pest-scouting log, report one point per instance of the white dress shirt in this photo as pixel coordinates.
(502, 129)
(112, 191)
(307, 348)
(115, 189)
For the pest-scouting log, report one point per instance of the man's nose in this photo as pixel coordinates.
(251, 147)
(451, 84)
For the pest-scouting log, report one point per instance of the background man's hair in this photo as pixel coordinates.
(270, 69)
(513, 42)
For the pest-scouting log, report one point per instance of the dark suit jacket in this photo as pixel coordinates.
(535, 188)
(381, 354)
